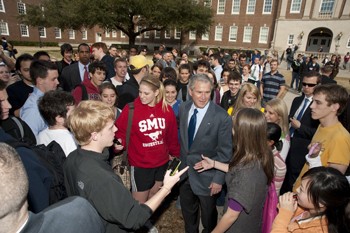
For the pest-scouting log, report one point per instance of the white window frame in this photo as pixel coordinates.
(139, 28)
(21, 8)
(122, 34)
(42, 32)
(207, 3)
(264, 33)
(219, 31)
(146, 34)
(326, 12)
(71, 34)
(84, 34)
(58, 33)
(290, 39)
(235, 11)
(221, 7)
(156, 34)
(192, 35)
(4, 29)
(232, 37)
(205, 36)
(167, 34)
(294, 4)
(24, 28)
(249, 6)
(177, 34)
(271, 5)
(247, 30)
(2, 6)
(107, 33)
(114, 34)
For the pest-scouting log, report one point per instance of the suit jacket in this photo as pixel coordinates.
(73, 214)
(70, 77)
(299, 143)
(308, 125)
(213, 139)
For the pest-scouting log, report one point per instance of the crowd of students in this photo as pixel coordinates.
(223, 116)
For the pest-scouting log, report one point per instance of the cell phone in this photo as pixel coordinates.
(311, 151)
(116, 141)
(174, 166)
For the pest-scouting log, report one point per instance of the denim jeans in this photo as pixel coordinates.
(295, 77)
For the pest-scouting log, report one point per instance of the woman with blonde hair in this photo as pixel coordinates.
(276, 111)
(153, 137)
(249, 97)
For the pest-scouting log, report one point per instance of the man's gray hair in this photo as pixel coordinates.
(200, 78)
(14, 181)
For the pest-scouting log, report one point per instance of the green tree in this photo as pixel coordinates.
(133, 17)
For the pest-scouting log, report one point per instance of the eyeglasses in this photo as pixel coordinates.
(309, 84)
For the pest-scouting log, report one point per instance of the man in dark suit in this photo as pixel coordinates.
(74, 74)
(303, 128)
(205, 129)
(74, 214)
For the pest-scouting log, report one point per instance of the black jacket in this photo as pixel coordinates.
(89, 175)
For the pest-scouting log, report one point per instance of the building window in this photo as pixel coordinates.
(84, 34)
(58, 33)
(114, 33)
(207, 3)
(326, 10)
(251, 6)
(192, 35)
(139, 28)
(247, 36)
(295, 6)
(71, 34)
(107, 33)
(21, 8)
(177, 33)
(167, 34)
(146, 34)
(233, 34)
(4, 29)
(42, 32)
(156, 34)
(24, 30)
(218, 33)
(236, 4)
(221, 7)
(290, 39)
(122, 34)
(205, 36)
(2, 6)
(264, 34)
(267, 9)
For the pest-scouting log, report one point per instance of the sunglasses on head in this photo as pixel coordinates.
(309, 84)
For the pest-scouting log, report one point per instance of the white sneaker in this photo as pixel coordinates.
(153, 229)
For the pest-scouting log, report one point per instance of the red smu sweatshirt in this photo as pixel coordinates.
(153, 135)
(92, 91)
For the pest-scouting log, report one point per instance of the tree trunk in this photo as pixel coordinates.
(132, 39)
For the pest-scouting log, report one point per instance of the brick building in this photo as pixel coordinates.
(245, 24)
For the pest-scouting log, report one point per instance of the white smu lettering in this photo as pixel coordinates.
(155, 123)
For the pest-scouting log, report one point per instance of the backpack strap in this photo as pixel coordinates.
(128, 131)
(84, 94)
(19, 125)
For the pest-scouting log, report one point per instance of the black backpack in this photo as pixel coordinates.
(52, 157)
(18, 129)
